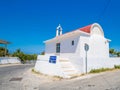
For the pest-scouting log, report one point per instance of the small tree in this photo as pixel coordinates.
(118, 54)
(2, 52)
(112, 51)
(23, 56)
(43, 53)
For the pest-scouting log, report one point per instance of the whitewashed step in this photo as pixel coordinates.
(74, 75)
(65, 63)
(70, 72)
(67, 66)
(69, 69)
(62, 60)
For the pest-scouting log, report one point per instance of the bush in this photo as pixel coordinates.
(117, 66)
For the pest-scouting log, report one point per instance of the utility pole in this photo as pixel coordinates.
(5, 49)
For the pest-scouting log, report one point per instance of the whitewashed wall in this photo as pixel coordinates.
(50, 48)
(78, 63)
(66, 45)
(83, 40)
(9, 60)
(93, 63)
(98, 47)
(43, 66)
(96, 63)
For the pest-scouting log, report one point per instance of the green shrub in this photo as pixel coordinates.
(117, 66)
(33, 70)
(99, 70)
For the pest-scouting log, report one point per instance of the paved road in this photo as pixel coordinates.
(20, 77)
(7, 71)
(103, 81)
(12, 75)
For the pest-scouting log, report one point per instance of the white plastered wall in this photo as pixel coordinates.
(44, 66)
(99, 45)
(66, 47)
(9, 60)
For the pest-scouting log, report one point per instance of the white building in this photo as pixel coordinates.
(69, 52)
(72, 43)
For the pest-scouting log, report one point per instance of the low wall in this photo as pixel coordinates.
(95, 63)
(75, 59)
(9, 60)
(43, 66)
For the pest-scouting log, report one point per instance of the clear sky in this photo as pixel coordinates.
(27, 23)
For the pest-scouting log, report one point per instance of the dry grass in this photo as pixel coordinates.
(54, 78)
(117, 66)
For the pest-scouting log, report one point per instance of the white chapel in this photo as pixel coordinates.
(76, 52)
(72, 43)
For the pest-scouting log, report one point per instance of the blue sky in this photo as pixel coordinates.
(27, 23)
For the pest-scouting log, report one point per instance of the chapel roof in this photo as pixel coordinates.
(86, 29)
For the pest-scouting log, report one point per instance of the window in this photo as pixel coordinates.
(105, 42)
(72, 42)
(58, 48)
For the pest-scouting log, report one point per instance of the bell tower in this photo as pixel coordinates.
(58, 30)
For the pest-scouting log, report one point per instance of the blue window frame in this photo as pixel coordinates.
(72, 42)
